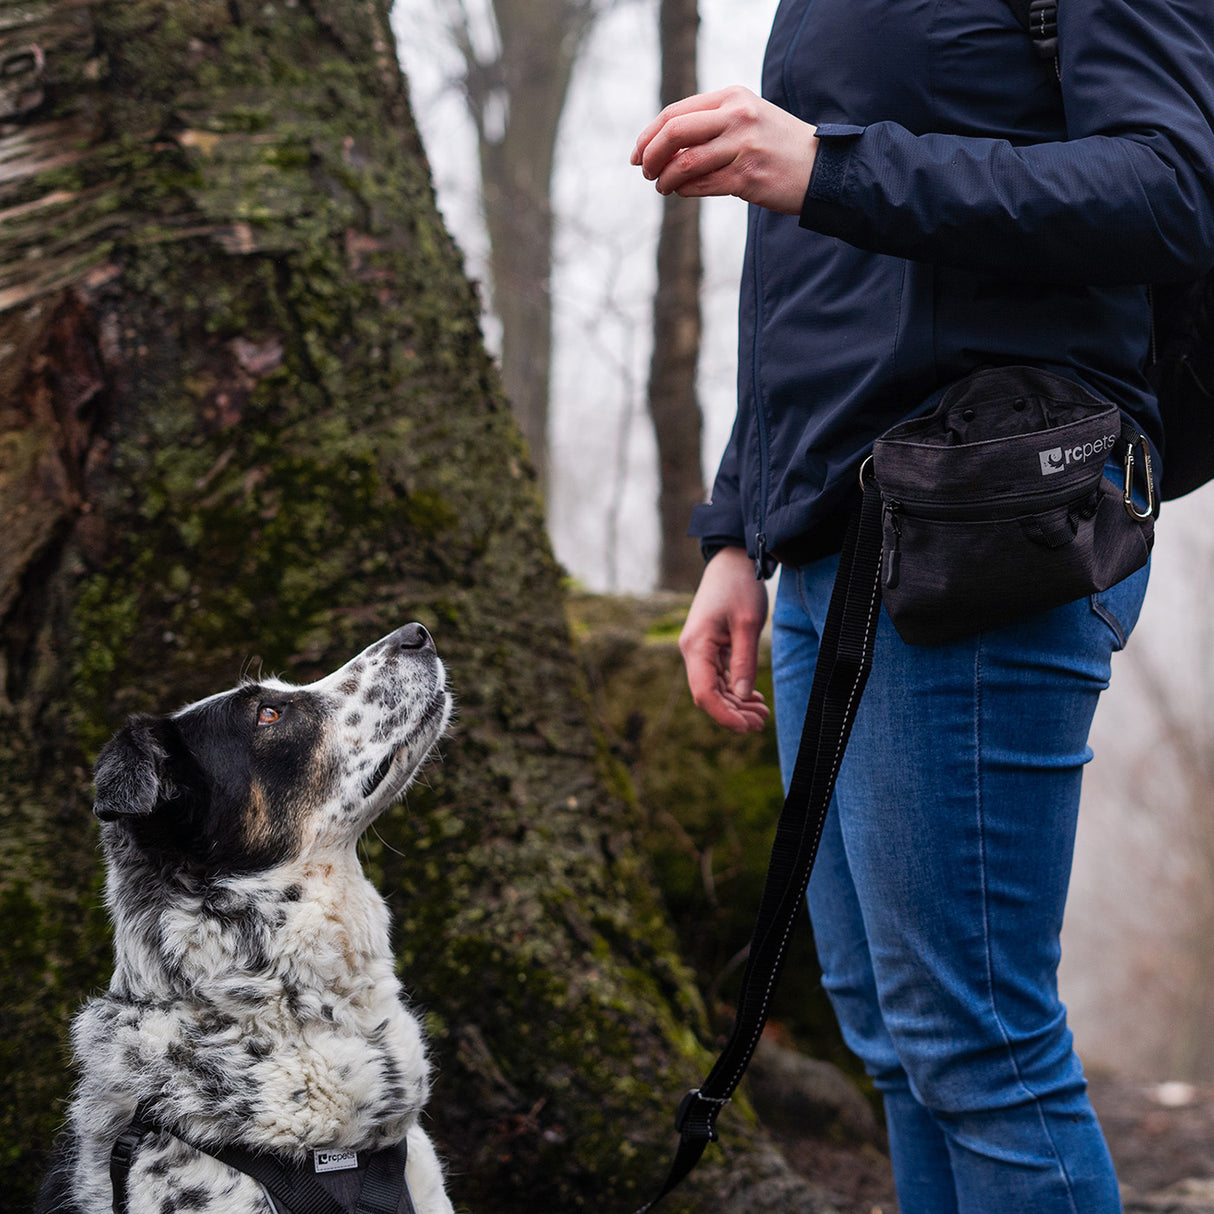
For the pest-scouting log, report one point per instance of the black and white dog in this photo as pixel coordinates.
(254, 1003)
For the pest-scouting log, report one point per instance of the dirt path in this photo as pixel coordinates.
(1161, 1137)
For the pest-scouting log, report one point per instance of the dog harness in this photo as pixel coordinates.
(333, 1182)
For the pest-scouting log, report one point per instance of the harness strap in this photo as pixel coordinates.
(294, 1188)
(844, 660)
(122, 1155)
(384, 1185)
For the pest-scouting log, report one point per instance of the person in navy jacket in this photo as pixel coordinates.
(929, 197)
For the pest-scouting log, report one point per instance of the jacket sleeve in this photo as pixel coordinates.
(1127, 197)
(718, 523)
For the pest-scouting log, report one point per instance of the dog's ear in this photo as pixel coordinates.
(131, 773)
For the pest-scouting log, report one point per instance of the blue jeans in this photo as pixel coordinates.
(939, 888)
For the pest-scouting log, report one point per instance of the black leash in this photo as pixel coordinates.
(844, 661)
(294, 1188)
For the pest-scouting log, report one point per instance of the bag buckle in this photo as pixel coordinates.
(1127, 498)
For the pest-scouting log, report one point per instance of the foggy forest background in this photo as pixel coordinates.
(1138, 956)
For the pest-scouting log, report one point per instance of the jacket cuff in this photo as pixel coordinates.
(713, 523)
(828, 179)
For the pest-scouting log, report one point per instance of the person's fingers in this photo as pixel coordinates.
(686, 146)
(700, 656)
(729, 142)
(745, 716)
(743, 662)
(687, 105)
(710, 693)
(711, 690)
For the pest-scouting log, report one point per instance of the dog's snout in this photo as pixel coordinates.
(414, 637)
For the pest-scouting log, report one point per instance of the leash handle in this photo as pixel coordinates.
(844, 661)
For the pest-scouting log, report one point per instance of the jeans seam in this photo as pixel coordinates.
(982, 869)
(801, 596)
(1100, 610)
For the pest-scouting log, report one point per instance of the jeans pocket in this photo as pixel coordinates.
(1120, 605)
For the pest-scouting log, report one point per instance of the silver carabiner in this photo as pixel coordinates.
(1128, 494)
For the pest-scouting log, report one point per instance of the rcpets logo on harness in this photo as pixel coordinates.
(334, 1161)
(1058, 459)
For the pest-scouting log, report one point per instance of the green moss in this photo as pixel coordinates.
(667, 627)
(710, 799)
(105, 626)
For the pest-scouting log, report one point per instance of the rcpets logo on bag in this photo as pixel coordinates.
(1058, 459)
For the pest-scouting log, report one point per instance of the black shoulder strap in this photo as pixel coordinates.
(1040, 20)
(295, 1189)
(844, 661)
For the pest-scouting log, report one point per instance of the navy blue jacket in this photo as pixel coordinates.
(964, 210)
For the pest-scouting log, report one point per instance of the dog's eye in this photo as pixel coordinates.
(267, 714)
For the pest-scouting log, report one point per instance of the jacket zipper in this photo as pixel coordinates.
(760, 414)
(760, 555)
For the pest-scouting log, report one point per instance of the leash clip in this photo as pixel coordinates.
(1128, 489)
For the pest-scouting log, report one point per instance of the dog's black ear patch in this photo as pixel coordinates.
(131, 775)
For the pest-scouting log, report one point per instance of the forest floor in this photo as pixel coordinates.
(1161, 1138)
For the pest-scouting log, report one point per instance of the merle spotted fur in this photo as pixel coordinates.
(254, 997)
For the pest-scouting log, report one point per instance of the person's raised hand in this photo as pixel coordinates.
(729, 142)
(720, 642)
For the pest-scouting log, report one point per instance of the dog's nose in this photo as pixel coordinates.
(413, 636)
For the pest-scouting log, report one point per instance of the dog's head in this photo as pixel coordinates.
(254, 776)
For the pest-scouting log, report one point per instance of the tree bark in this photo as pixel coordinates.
(673, 399)
(248, 421)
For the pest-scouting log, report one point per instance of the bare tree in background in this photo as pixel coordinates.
(515, 85)
(673, 402)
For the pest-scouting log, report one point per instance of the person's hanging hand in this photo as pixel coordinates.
(720, 642)
(729, 142)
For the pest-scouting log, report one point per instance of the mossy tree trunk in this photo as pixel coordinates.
(246, 417)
